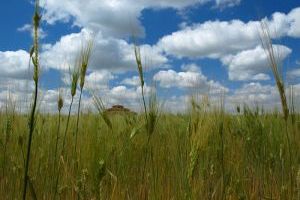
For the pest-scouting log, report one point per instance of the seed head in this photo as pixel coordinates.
(139, 64)
(74, 81)
(60, 102)
(36, 17)
(85, 55)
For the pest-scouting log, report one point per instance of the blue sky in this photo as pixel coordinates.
(209, 46)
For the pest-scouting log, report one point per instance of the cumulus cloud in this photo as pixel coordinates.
(253, 64)
(14, 64)
(133, 81)
(235, 43)
(294, 23)
(18, 91)
(94, 80)
(190, 67)
(171, 78)
(187, 79)
(292, 74)
(214, 39)
(255, 93)
(113, 17)
(176, 104)
(108, 53)
(211, 39)
(99, 77)
(61, 55)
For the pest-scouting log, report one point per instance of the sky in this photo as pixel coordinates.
(208, 47)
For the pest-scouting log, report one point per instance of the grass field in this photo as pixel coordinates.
(200, 155)
(203, 153)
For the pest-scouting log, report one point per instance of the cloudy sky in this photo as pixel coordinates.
(208, 46)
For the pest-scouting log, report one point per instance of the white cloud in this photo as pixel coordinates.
(19, 91)
(255, 93)
(133, 81)
(108, 53)
(295, 73)
(171, 78)
(98, 80)
(14, 64)
(215, 39)
(61, 55)
(190, 67)
(227, 3)
(122, 92)
(128, 96)
(294, 22)
(113, 17)
(188, 79)
(282, 24)
(211, 39)
(47, 101)
(25, 27)
(253, 64)
(94, 80)
(29, 28)
(176, 104)
(235, 43)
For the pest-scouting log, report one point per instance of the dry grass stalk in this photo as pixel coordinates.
(267, 44)
(102, 110)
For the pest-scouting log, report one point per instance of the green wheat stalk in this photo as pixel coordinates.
(74, 83)
(84, 59)
(35, 61)
(60, 104)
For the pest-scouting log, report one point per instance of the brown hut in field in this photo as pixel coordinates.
(118, 109)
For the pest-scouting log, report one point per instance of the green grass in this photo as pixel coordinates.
(189, 157)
